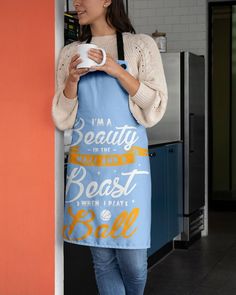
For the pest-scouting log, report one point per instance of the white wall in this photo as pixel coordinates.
(184, 21)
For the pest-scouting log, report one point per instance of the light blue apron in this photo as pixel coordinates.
(108, 181)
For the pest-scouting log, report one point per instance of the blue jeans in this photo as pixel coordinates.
(120, 271)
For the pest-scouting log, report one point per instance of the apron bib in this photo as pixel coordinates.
(108, 181)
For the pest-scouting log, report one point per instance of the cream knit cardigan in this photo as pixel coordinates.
(149, 103)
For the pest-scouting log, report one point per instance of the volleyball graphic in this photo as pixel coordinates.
(105, 215)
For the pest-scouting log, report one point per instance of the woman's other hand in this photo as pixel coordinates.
(74, 73)
(111, 67)
(70, 90)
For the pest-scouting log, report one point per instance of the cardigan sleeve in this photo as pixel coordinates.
(63, 109)
(150, 101)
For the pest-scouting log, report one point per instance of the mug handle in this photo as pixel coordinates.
(104, 57)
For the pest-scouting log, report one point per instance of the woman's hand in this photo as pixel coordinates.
(70, 90)
(111, 67)
(74, 73)
(129, 83)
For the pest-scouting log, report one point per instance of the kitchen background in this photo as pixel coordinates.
(32, 168)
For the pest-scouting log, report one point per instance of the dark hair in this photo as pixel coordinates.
(115, 16)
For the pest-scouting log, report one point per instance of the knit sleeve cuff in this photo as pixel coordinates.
(144, 97)
(66, 103)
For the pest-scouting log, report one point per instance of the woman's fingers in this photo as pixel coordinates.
(77, 62)
(75, 57)
(95, 54)
(74, 72)
(82, 71)
(73, 65)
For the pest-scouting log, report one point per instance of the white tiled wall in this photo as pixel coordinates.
(184, 22)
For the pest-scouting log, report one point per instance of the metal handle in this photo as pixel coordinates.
(191, 133)
(152, 154)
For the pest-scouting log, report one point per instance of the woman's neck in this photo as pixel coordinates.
(102, 30)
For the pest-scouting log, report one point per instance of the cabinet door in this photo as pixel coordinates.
(78, 270)
(174, 189)
(159, 227)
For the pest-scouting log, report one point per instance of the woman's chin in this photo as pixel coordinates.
(83, 22)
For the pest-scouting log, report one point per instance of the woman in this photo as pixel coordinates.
(108, 190)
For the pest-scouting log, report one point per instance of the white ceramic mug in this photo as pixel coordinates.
(86, 61)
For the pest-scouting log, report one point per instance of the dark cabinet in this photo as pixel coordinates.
(174, 189)
(79, 277)
(167, 194)
(159, 227)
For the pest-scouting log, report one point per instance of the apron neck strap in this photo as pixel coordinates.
(120, 45)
